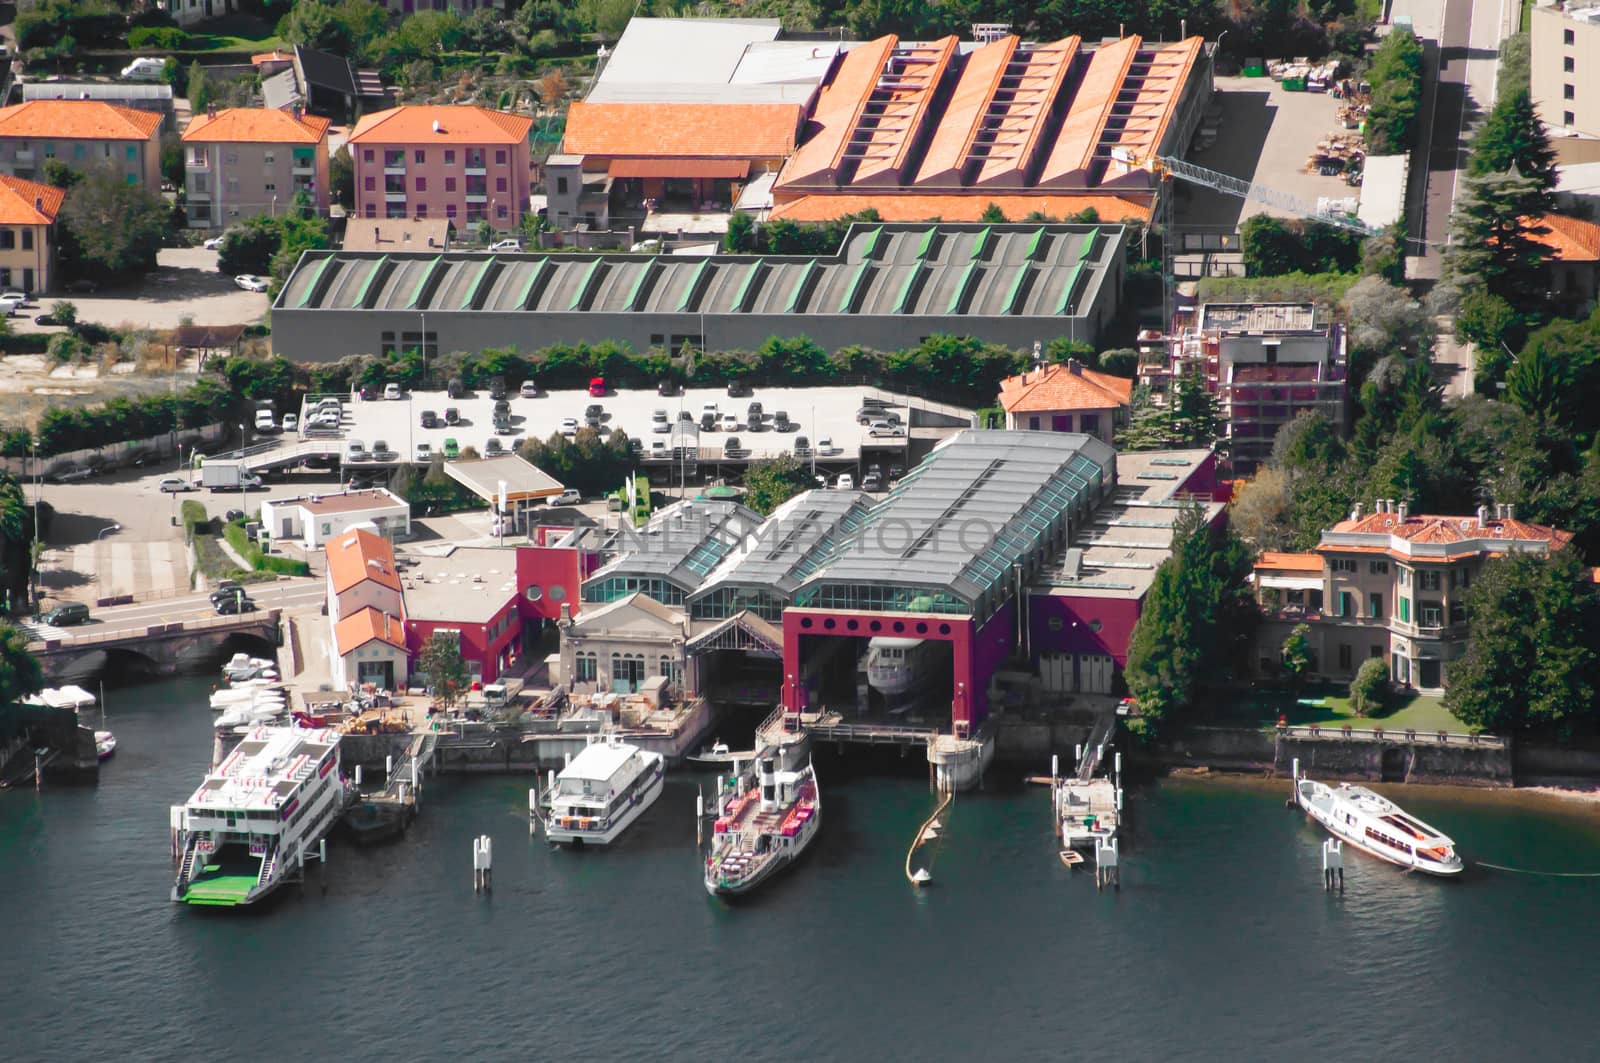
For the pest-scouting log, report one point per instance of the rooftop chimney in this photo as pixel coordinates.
(1074, 366)
(38, 203)
(1405, 507)
(1483, 515)
(211, 110)
(437, 128)
(1511, 511)
(297, 112)
(1355, 514)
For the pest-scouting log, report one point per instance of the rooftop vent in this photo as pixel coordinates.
(437, 128)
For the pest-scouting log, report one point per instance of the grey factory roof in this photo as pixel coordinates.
(792, 542)
(680, 544)
(111, 91)
(955, 525)
(889, 270)
(711, 60)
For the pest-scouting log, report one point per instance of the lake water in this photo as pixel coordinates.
(1220, 945)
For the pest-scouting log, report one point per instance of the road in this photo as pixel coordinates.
(130, 619)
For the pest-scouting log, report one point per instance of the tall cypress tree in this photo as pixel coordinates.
(1513, 136)
(1492, 237)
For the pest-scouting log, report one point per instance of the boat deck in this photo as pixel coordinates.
(1087, 811)
(219, 890)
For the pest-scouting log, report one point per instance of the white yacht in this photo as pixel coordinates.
(602, 791)
(765, 819)
(258, 814)
(1376, 825)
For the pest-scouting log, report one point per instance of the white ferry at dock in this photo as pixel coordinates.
(765, 820)
(252, 822)
(597, 796)
(1378, 827)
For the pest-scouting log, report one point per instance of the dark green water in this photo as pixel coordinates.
(1221, 944)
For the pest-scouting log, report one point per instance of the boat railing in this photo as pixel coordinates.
(1381, 734)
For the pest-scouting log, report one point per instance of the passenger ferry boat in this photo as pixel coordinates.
(605, 788)
(257, 814)
(900, 667)
(1376, 825)
(765, 819)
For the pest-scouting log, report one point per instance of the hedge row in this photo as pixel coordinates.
(260, 562)
(63, 429)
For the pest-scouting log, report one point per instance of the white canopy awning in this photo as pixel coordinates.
(1293, 583)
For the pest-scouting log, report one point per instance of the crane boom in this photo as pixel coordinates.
(1166, 165)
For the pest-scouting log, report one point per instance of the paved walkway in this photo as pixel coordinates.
(110, 567)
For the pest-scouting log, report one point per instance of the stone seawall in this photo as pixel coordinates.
(1394, 758)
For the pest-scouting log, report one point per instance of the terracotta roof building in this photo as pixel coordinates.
(27, 234)
(463, 164)
(1573, 261)
(83, 134)
(245, 161)
(1066, 397)
(1389, 584)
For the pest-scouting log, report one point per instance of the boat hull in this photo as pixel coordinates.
(646, 797)
(717, 886)
(1354, 836)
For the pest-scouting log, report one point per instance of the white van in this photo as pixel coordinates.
(146, 69)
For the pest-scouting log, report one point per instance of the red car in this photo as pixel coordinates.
(597, 385)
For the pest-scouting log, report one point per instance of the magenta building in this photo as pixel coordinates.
(463, 164)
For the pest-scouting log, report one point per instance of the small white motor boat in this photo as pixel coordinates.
(105, 745)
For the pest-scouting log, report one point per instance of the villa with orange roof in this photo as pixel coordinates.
(27, 234)
(1067, 398)
(1388, 584)
(366, 611)
(464, 164)
(84, 134)
(245, 161)
(1572, 247)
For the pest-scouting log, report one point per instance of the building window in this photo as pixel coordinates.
(77, 151)
(1567, 37)
(269, 186)
(499, 184)
(269, 157)
(419, 157)
(1405, 610)
(1344, 657)
(585, 668)
(1428, 581)
(449, 158)
(1567, 64)
(1089, 423)
(1346, 604)
(1428, 615)
(1375, 605)
(1404, 577)
(1344, 564)
(561, 183)
(422, 210)
(1378, 568)
(1033, 424)
(450, 211)
(369, 183)
(1568, 92)
(500, 157)
(422, 184)
(366, 156)
(449, 184)
(8, 240)
(1568, 118)
(500, 212)
(27, 239)
(49, 149)
(394, 158)
(372, 210)
(132, 153)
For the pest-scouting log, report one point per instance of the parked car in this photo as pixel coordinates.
(885, 430)
(233, 605)
(455, 389)
(506, 245)
(250, 282)
(492, 447)
(660, 422)
(291, 422)
(658, 448)
(381, 451)
(755, 412)
(265, 422)
(781, 422)
(360, 483)
(502, 406)
(9, 306)
(708, 422)
(569, 426)
(667, 386)
(424, 452)
(686, 417)
(83, 286)
(214, 244)
(224, 589)
(173, 485)
(845, 482)
(569, 497)
(66, 614)
(147, 68)
(739, 389)
(451, 450)
(323, 419)
(497, 388)
(22, 298)
(391, 391)
(48, 319)
(729, 422)
(802, 447)
(872, 482)
(529, 389)
(429, 419)
(731, 446)
(597, 386)
(825, 445)
(355, 450)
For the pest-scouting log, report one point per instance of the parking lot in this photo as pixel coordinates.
(814, 414)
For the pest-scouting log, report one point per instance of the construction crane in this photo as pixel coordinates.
(1163, 166)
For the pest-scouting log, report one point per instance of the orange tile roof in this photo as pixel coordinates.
(900, 103)
(833, 119)
(360, 555)
(28, 202)
(1064, 387)
(1569, 239)
(77, 120)
(955, 206)
(1090, 109)
(1155, 100)
(270, 57)
(257, 125)
(718, 130)
(951, 145)
(1440, 531)
(365, 625)
(1020, 124)
(1273, 561)
(457, 125)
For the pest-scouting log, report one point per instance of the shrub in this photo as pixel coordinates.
(163, 38)
(260, 562)
(193, 515)
(1369, 687)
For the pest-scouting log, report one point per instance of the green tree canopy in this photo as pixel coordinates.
(772, 482)
(441, 660)
(1370, 687)
(20, 674)
(1531, 660)
(1492, 238)
(1295, 654)
(112, 227)
(1513, 136)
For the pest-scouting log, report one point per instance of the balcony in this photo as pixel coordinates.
(477, 197)
(476, 169)
(395, 170)
(306, 167)
(394, 197)
(26, 155)
(201, 162)
(196, 194)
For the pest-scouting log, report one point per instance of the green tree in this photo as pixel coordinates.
(20, 674)
(993, 215)
(1295, 654)
(342, 178)
(1196, 617)
(1370, 687)
(1396, 79)
(1268, 247)
(115, 227)
(1539, 385)
(60, 174)
(1492, 238)
(441, 661)
(772, 482)
(248, 246)
(1533, 625)
(199, 89)
(1512, 136)
(741, 233)
(172, 171)
(1494, 325)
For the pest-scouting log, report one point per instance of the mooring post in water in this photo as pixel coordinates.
(1294, 783)
(358, 776)
(482, 865)
(533, 809)
(699, 818)
(388, 766)
(1333, 865)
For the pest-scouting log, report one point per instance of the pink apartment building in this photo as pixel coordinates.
(463, 164)
(246, 161)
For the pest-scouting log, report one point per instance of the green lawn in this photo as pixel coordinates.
(217, 42)
(1262, 708)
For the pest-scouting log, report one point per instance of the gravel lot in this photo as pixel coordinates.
(185, 284)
